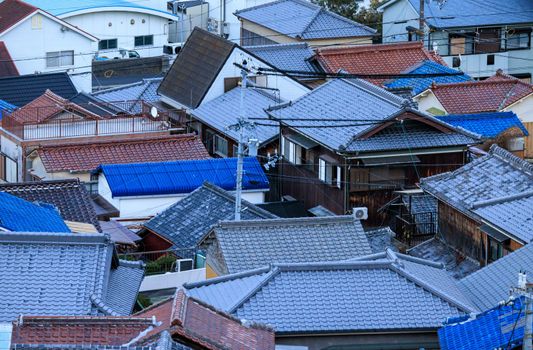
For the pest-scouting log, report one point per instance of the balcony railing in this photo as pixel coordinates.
(413, 229)
(72, 124)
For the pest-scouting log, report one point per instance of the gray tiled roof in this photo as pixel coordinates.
(339, 99)
(512, 214)
(490, 285)
(410, 136)
(187, 221)
(145, 90)
(304, 20)
(70, 197)
(381, 239)
(221, 112)
(293, 56)
(380, 292)
(356, 107)
(64, 274)
(256, 243)
(495, 175)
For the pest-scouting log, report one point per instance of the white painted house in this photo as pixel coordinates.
(142, 26)
(142, 190)
(473, 36)
(40, 42)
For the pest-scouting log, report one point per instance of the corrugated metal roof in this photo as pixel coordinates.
(145, 179)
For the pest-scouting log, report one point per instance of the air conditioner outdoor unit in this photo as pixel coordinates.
(184, 265)
(360, 213)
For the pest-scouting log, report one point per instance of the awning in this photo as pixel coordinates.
(301, 140)
(390, 160)
(497, 235)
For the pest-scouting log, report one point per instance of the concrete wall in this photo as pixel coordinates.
(37, 169)
(171, 280)
(28, 48)
(118, 25)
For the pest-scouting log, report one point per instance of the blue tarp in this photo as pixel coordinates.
(488, 125)
(181, 176)
(502, 326)
(6, 107)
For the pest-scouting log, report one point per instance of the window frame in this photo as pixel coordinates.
(216, 139)
(143, 38)
(60, 55)
(518, 31)
(107, 47)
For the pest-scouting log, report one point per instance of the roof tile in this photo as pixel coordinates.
(12, 11)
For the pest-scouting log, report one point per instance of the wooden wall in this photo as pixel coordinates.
(528, 152)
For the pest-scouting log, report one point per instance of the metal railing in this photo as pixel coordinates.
(72, 123)
(413, 229)
(162, 261)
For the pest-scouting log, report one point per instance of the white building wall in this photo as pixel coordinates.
(171, 280)
(523, 109)
(398, 12)
(28, 48)
(144, 206)
(118, 25)
(289, 88)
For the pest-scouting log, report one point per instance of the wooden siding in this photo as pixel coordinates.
(461, 232)
(528, 147)
(152, 242)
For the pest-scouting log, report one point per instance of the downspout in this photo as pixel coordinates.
(222, 17)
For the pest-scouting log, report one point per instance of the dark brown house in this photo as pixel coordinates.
(485, 207)
(351, 144)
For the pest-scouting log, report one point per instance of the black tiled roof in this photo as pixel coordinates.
(195, 68)
(25, 88)
(70, 197)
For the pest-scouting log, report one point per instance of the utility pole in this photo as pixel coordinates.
(525, 290)
(422, 21)
(241, 125)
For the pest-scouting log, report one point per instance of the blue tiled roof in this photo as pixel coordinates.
(187, 221)
(294, 56)
(144, 179)
(20, 215)
(303, 19)
(219, 113)
(145, 90)
(23, 89)
(6, 106)
(461, 13)
(488, 125)
(498, 328)
(301, 298)
(64, 274)
(62, 8)
(420, 84)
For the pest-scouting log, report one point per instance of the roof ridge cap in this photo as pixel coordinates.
(502, 199)
(348, 20)
(96, 143)
(370, 47)
(511, 159)
(318, 11)
(228, 277)
(274, 271)
(290, 221)
(101, 306)
(433, 290)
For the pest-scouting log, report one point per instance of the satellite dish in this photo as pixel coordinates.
(153, 112)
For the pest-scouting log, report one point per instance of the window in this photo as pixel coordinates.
(338, 178)
(107, 44)
(8, 169)
(144, 40)
(59, 59)
(221, 146)
(461, 44)
(518, 39)
(235, 150)
(329, 173)
(37, 22)
(291, 151)
(490, 60)
(487, 40)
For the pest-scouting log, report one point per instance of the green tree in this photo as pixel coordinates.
(345, 8)
(370, 16)
(350, 9)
